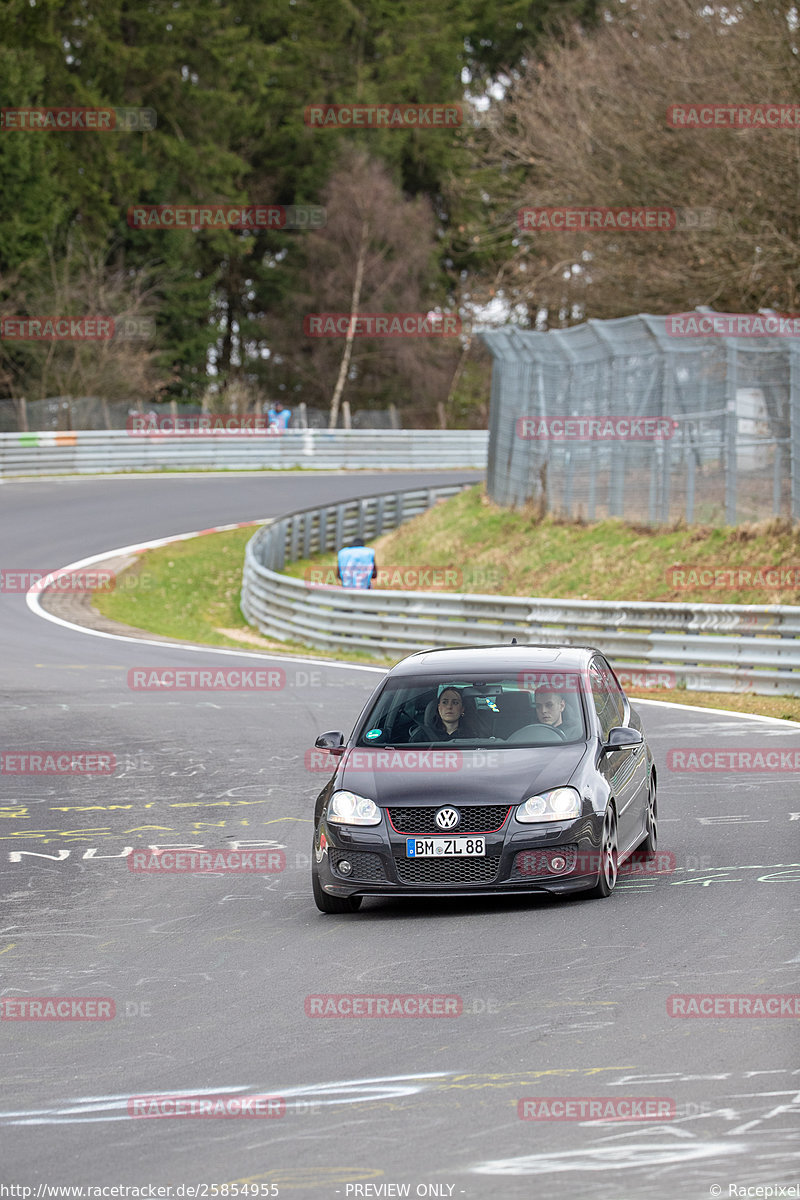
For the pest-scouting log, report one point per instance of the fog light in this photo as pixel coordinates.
(557, 863)
(344, 867)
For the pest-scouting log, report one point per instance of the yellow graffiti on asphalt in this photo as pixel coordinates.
(97, 832)
(519, 1078)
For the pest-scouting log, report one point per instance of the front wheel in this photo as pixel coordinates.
(609, 852)
(332, 904)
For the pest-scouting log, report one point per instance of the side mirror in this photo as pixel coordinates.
(332, 742)
(622, 737)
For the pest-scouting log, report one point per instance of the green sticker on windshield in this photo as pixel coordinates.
(373, 733)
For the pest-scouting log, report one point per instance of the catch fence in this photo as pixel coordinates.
(723, 440)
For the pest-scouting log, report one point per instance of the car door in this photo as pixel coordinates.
(625, 770)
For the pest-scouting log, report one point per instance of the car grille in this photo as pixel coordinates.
(475, 818)
(367, 868)
(438, 872)
(533, 864)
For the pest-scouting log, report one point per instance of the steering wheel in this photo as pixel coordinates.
(562, 737)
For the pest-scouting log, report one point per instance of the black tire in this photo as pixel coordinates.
(650, 844)
(332, 904)
(609, 853)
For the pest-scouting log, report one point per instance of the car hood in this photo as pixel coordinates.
(412, 776)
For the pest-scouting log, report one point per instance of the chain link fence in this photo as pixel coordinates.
(65, 413)
(625, 419)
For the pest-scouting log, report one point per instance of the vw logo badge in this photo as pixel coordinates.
(447, 818)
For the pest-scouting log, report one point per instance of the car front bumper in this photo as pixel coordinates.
(519, 859)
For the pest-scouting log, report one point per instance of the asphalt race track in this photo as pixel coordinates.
(209, 974)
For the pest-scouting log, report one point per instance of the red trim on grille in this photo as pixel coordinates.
(457, 832)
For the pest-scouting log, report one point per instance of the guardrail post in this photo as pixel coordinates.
(280, 547)
(398, 509)
(379, 511)
(323, 530)
(338, 534)
(294, 537)
(361, 519)
(308, 520)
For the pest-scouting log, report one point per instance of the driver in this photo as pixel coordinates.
(450, 719)
(549, 708)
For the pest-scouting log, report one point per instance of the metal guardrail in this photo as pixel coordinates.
(100, 451)
(706, 647)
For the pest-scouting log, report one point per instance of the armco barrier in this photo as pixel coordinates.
(707, 647)
(103, 451)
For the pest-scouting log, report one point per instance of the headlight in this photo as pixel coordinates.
(562, 804)
(346, 808)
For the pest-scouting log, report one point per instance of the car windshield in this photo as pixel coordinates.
(531, 708)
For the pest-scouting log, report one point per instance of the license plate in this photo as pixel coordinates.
(460, 847)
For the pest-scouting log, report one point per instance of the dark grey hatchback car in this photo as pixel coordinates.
(497, 770)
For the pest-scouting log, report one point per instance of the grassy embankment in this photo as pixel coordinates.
(190, 590)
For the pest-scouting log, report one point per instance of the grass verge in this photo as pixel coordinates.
(190, 590)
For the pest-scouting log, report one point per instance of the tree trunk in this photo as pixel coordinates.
(348, 345)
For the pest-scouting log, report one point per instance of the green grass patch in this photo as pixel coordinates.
(516, 553)
(190, 590)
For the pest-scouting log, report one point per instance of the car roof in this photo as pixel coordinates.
(498, 658)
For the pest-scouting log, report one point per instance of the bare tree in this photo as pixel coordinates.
(80, 283)
(375, 254)
(586, 124)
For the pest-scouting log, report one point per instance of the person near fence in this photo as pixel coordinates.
(278, 417)
(357, 567)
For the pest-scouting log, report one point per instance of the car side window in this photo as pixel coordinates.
(608, 700)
